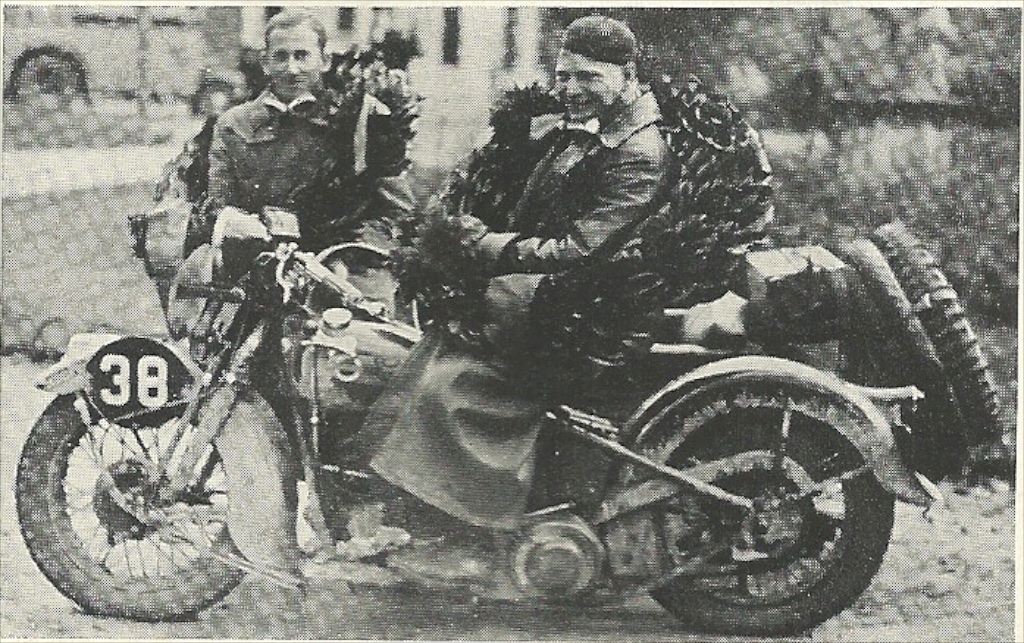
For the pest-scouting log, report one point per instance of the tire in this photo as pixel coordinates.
(63, 555)
(48, 73)
(885, 344)
(945, 321)
(728, 420)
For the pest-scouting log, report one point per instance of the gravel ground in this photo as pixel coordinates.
(948, 577)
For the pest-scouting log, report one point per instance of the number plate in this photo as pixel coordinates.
(135, 375)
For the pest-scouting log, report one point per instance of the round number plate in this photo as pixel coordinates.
(134, 375)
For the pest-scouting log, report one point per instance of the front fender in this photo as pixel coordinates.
(70, 374)
(871, 433)
(261, 472)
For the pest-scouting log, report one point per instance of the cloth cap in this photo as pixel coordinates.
(601, 38)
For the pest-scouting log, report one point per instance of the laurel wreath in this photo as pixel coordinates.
(720, 201)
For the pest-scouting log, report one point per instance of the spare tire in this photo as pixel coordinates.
(938, 307)
(884, 344)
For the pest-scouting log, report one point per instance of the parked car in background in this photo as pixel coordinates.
(86, 51)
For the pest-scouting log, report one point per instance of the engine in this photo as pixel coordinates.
(557, 558)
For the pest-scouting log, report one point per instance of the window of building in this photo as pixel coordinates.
(511, 37)
(383, 20)
(452, 35)
(346, 18)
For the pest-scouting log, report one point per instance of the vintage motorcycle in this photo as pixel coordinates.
(746, 493)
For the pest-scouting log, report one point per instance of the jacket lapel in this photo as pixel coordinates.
(547, 179)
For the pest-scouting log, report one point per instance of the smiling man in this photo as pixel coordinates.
(452, 432)
(263, 150)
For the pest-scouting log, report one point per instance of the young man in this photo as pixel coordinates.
(450, 431)
(264, 149)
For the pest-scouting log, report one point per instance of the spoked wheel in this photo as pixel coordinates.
(814, 538)
(104, 532)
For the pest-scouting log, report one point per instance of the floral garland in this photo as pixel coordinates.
(335, 200)
(434, 264)
(720, 200)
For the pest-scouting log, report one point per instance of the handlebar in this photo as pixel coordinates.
(306, 264)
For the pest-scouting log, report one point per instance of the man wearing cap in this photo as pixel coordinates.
(454, 434)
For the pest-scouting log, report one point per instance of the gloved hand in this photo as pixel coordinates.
(718, 321)
(235, 223)
(238, 237)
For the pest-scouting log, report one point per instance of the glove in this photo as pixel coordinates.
(234, 223)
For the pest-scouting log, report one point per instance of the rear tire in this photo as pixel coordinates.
(63, 555)
(851, 548)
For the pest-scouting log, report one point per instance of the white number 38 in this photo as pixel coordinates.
(150, 380)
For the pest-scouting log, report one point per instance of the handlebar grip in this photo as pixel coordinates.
(343, 288)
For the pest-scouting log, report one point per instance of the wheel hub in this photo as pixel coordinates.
(128, 477)
(772, 526)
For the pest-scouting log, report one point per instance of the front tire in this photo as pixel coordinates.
(808, 576)
(162, 583)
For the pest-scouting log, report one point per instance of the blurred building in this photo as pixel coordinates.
(103, 50)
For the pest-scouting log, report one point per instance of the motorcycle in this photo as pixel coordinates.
(745, 493)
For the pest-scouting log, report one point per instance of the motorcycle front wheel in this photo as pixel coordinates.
(790, 564)
(98, 554)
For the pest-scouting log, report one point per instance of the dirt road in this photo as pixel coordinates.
(950, 578)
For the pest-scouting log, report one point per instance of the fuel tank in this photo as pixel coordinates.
(346, 363)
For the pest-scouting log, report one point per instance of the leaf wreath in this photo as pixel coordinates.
(434, 264)
(720, 199)
(335, 201)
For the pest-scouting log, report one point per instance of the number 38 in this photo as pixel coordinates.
(149, 378)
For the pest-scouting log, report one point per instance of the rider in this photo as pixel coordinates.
(449, 430)
(262, 150)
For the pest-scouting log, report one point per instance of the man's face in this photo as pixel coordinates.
(589, 88)
(294, 61)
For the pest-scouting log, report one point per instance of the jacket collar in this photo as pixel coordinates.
(633, 118)
(636, 116)
(271, 101)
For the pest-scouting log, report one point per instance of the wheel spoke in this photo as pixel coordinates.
(159, 544)
(780, 452)
(127, 559)
(105, 561)
(142, 559)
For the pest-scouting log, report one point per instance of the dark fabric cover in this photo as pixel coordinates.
(450, 430)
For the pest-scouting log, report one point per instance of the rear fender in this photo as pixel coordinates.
(869, 432)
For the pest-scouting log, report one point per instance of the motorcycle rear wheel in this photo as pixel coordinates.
(97, 571)
(843, 553)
